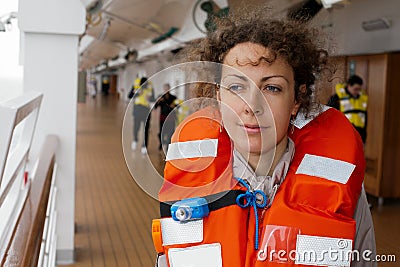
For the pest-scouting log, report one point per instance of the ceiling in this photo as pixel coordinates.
(118, 28)
(121, 26)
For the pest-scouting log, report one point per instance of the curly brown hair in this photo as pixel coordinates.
(300, 45)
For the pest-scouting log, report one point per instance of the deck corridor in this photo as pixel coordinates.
(113, 215)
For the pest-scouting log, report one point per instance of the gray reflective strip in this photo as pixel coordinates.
(330, 169)
(196, 256)
(174, 232)
(325, 251)
(162, 261)
(302, 121)
(192, 149)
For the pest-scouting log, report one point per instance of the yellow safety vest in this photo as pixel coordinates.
(182, 110)
(353, 108)
(136, 84)
(143, 98)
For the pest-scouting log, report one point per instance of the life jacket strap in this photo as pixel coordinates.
(215, 201)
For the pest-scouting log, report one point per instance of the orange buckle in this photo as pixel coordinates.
(156, 234)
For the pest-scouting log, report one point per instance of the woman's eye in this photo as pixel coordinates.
(235, 88)
(272, 88)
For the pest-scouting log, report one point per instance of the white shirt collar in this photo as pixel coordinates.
(243, 170)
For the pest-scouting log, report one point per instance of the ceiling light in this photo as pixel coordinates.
(116, 62)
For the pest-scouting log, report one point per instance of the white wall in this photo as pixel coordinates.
(50, 49)
(348, 36)
(57, 116)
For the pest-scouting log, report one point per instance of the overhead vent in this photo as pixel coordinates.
(376, 24)
(165, 36)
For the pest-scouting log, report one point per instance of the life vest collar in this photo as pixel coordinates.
(302, 120)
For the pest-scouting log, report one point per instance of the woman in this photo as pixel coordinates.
(293, 193)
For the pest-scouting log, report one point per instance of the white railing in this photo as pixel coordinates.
(25, 222)
(47, 256)
(17, 119)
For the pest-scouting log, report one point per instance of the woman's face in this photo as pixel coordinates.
(257, 98)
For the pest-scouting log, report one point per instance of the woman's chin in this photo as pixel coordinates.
(248, 150)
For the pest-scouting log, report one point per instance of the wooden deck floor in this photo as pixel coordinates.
(113, 215)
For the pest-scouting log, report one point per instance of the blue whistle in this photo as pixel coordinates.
(190, 209)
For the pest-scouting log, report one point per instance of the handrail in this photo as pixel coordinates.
(12, 113)
(24, 247)
(18, 118)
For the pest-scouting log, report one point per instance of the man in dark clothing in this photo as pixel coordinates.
(167, 119)
(352, 101)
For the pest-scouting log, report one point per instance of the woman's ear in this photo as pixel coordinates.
(302, 90)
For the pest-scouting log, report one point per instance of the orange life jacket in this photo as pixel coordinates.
(313, 207)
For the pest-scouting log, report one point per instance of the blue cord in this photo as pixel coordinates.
(250, 198)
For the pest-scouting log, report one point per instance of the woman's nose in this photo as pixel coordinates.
(254, 103)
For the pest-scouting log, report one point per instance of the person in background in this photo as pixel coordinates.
(143, 97)
(105, 85)
(167, 103)
(352, 101)
(93, 87)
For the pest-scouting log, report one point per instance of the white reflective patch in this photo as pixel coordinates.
(173, 232)
(198, 256)
(192, 149)
(162, 261)
(330, 169)
(326, 251)
(302, 121)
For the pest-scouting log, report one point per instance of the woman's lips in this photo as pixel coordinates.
(252, 129)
